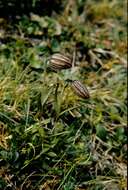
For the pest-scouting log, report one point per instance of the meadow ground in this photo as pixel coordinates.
(50, 138)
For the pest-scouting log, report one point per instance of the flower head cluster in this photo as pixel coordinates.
(58, 62)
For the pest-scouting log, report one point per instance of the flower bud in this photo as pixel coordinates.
(59, 61)
(80, 89)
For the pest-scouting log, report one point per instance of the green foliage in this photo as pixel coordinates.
(49, 137)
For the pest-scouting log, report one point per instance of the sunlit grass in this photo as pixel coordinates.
(50, 138)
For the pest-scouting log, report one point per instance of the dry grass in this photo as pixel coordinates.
(50, 138)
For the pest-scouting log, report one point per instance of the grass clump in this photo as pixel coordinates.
(50, 138)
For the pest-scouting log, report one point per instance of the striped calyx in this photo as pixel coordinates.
(80, 89)
(59, 61)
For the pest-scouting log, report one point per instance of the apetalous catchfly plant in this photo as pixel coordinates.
(59, 61)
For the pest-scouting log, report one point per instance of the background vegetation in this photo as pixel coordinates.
(50, 139)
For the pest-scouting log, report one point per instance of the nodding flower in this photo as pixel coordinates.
(59, 62)
(80, 89)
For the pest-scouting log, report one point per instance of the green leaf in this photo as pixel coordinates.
(101, 131)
